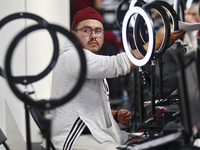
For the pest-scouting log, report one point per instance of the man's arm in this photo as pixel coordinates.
(113, 111)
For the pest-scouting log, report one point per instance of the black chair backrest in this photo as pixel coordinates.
(3, 140)
(2, 137)
(37, 115)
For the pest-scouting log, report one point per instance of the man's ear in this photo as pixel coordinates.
(73, 32)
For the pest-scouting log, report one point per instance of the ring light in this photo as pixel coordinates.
(22, 15)
(40, 20)
(138, 29)
(171, 12)
(131, 56)
(119, 20)
(135, 3)
(52, 103)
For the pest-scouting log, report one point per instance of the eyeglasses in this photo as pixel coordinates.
(88, 31)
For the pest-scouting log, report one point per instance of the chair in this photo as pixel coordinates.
(3, 140)
(37, 115)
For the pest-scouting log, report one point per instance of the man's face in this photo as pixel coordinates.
(92, 42)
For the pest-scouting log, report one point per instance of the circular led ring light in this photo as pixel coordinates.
(118, 10)
(145, 15)
(172, 12)
(138, 29)
(22, 15)
(132, 4)
(26, 80)
(52, 103)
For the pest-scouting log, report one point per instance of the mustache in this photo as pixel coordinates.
(93, 40)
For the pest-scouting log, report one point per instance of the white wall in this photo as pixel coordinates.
(31, 56)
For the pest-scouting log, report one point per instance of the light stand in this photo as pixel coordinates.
(141, 94)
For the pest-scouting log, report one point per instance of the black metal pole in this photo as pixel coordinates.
(198, 59)
(161, 63)
(135, 97)
(141, 96)
(28, 134)
(47, 133)
(153, 111)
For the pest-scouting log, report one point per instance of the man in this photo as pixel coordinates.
(86, 121)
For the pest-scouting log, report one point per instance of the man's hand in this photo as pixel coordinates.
(174, 35)
(124, 117)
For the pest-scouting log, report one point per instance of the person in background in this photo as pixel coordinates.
(170, 67)
(192, 16)
(87, 121)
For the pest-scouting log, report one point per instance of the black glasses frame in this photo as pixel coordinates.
(91, 29)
